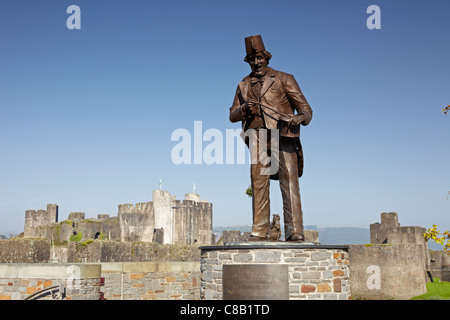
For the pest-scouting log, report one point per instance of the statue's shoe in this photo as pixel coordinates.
(256, 238)
(296, 237)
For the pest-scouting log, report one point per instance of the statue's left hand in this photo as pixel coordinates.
(296, 120)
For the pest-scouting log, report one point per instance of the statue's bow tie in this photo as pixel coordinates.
(255, 80)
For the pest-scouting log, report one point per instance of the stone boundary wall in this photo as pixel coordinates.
(79, 282)
(114, 251)
(387, 272)
(151, 280)
(314, 273)
(41, 251)
(24, 251)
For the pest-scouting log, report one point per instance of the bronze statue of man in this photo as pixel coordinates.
(268, 99)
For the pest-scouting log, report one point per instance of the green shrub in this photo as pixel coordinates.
(86, 243)
(77, 237)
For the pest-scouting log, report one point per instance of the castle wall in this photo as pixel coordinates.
(56, 232)
(86, 229)
(437, 260)
(93, 229)
(406, 235)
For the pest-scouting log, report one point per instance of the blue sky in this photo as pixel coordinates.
(86, 116)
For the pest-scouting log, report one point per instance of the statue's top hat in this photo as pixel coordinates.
(254, 44)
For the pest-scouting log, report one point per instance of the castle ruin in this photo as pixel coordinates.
(164, 220)
(389, 231)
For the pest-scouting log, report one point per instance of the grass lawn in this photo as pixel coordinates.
(436, 291)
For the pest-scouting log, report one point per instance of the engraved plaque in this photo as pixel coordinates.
(255, 282)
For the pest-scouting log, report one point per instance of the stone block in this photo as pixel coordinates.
(337, 285)
(208, 276)
(267, 257)
(294, 259)
(330, 296)
(136, 276)
(320, 256)
(294, 288)
(31, 290)
(308, 288)
(338, 273)
(243, 257)
(311, 275)
(323, 287)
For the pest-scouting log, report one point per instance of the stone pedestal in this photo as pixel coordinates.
(314, 272)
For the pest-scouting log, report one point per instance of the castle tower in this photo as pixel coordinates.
(35, 219)
(194, 216)
(52, 213)
(389, 220)
(187, 222)
(192, 196)
(137, 223)
(203, 228)
(164, 214)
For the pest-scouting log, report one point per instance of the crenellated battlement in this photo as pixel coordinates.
(77, 216)
(141, 207)
(192, 203)
(189, 203)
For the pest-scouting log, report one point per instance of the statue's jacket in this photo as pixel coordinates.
(280, 98)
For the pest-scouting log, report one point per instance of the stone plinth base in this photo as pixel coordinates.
(315, 272)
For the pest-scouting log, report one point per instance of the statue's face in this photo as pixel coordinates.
(258, 63)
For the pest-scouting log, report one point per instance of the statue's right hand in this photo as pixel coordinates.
(251, 107)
